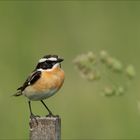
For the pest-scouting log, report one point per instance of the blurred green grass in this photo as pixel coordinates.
(29, 30)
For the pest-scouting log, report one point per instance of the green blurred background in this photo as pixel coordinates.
(29, 30)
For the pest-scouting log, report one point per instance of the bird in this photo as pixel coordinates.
(43, 82)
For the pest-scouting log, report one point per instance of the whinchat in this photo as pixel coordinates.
(46, 79)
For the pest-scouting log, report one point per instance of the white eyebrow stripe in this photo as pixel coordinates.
(52, 59)
(42, 60)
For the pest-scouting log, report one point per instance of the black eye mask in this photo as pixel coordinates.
(46, 65)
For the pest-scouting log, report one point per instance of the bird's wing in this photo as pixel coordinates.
(29, 81)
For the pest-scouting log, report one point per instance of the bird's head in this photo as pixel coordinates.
(49, 62)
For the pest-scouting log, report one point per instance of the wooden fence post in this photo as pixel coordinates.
(45, 128)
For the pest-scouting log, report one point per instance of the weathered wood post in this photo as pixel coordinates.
(45, 128)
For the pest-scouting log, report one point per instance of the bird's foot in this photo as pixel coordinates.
(34, 117)
(52, 115)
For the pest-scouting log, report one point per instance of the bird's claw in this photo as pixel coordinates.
(34, 117)
(52, 115)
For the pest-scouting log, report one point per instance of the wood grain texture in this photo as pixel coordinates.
(45, 128)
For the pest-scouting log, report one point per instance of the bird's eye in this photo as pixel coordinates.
(47, 65)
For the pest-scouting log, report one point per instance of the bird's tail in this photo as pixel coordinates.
(17, 93)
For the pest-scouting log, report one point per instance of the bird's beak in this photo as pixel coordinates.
(60, 60)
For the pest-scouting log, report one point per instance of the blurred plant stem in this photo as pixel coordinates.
(90, 66)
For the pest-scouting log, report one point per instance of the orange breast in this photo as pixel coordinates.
(49, 80)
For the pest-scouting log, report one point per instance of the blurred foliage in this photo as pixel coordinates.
(32, 29)
(90, 66)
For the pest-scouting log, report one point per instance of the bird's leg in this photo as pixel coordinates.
(32, 116)
(31, 113)
(50, 113)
